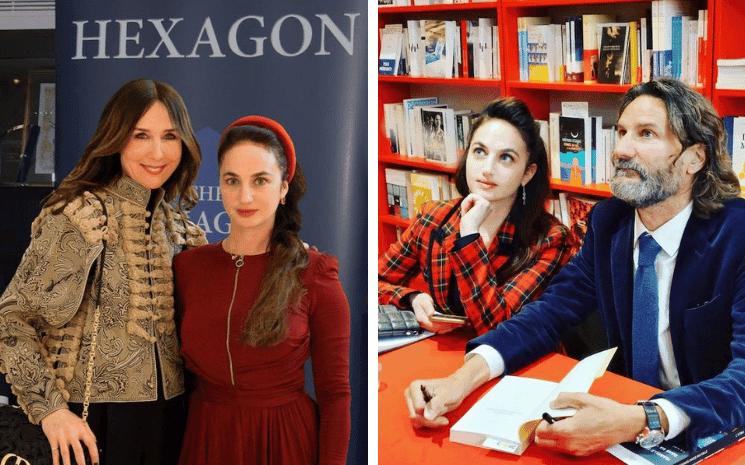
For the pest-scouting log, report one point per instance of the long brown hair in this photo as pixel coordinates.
(531, 221)
(100, 164)
(694, 120)
(282, 285)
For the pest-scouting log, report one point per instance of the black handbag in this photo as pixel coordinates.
(393, 322)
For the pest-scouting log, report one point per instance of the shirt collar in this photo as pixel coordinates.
(669, 235)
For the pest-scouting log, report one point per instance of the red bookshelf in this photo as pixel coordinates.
(726, 20)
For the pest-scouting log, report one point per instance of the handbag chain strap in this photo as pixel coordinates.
(96, 319)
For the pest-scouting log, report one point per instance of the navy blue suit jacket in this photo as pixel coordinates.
(707, 310)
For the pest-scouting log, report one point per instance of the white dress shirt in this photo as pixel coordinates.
(668, 236)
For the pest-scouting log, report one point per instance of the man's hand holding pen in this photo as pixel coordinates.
(429, 400)
(597, 424)
(444, 394)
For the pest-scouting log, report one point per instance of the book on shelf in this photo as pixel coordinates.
(398, 191)
(613, 52)
(425, 187)
(462, 130)
(575, 149)
(496, 70)
(554, 141)
(574, 211)
(389, 125)
(634, 70)
(730, 73)
(663, 12)
(485, 43)
(590, 43)
(702, 35)
(472, 45)
(413, 130)
(544, 62)
(415, 47)
(735, 127)
(574, 63)
(439, 47)
(522, 38)
(390, 49)
(505, 418)
(673, 453)
(439, 134)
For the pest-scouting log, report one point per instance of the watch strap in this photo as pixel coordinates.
(653, 418)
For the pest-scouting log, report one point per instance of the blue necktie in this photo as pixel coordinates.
(646, 312)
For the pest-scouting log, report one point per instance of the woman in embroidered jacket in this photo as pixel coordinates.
(269, 306)
(486, 254)
(125, 203)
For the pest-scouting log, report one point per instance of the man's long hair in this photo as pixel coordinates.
(694, 120)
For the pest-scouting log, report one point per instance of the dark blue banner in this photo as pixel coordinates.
(300, 63)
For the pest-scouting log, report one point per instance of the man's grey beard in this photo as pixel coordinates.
(649, 189)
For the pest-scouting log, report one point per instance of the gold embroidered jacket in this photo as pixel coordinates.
(46, 314)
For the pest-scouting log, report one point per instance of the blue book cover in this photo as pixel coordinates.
(523, 37)
(572, 149)
(728, 126)
(677, 51)
(671, 453)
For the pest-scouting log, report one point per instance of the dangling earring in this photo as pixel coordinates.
(524, 196)
(282, 201)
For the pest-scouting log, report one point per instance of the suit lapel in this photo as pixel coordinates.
(691, 253)
(622, 280)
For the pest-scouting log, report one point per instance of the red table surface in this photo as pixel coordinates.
(399, 443)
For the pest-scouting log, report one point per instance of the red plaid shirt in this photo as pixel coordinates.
(485, 300)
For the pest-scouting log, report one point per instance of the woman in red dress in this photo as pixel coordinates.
(254, 307)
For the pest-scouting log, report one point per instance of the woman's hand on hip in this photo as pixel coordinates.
(64, 429)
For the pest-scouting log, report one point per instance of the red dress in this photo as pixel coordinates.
(266, 417)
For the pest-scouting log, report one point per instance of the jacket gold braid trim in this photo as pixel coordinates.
(51, 293)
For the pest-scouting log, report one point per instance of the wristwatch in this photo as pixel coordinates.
(652, 435)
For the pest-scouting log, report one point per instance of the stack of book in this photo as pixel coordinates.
(667, 42)
(408, 190)
(424, 128)
(424, 48)
(731, 74)
(580, 147)
(432, 48)
(572, 210)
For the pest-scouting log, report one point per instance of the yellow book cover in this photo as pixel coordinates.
(421, 191)
(633, 52)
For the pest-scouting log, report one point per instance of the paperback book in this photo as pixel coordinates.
(575, 149)
(614, 42)
(669, 453)
(506, 417)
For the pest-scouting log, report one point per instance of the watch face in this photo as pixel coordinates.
(652, 439)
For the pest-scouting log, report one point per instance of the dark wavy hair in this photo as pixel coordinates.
(101, 165)
(694, 120)
(282, 286)
(532, 222)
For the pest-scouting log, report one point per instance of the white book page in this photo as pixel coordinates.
(579, 379)
(504, 409)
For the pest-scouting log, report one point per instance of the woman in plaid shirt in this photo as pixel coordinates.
(488, 253)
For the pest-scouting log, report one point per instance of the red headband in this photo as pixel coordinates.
(279, 132)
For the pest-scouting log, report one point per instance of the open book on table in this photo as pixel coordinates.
(506, 417)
